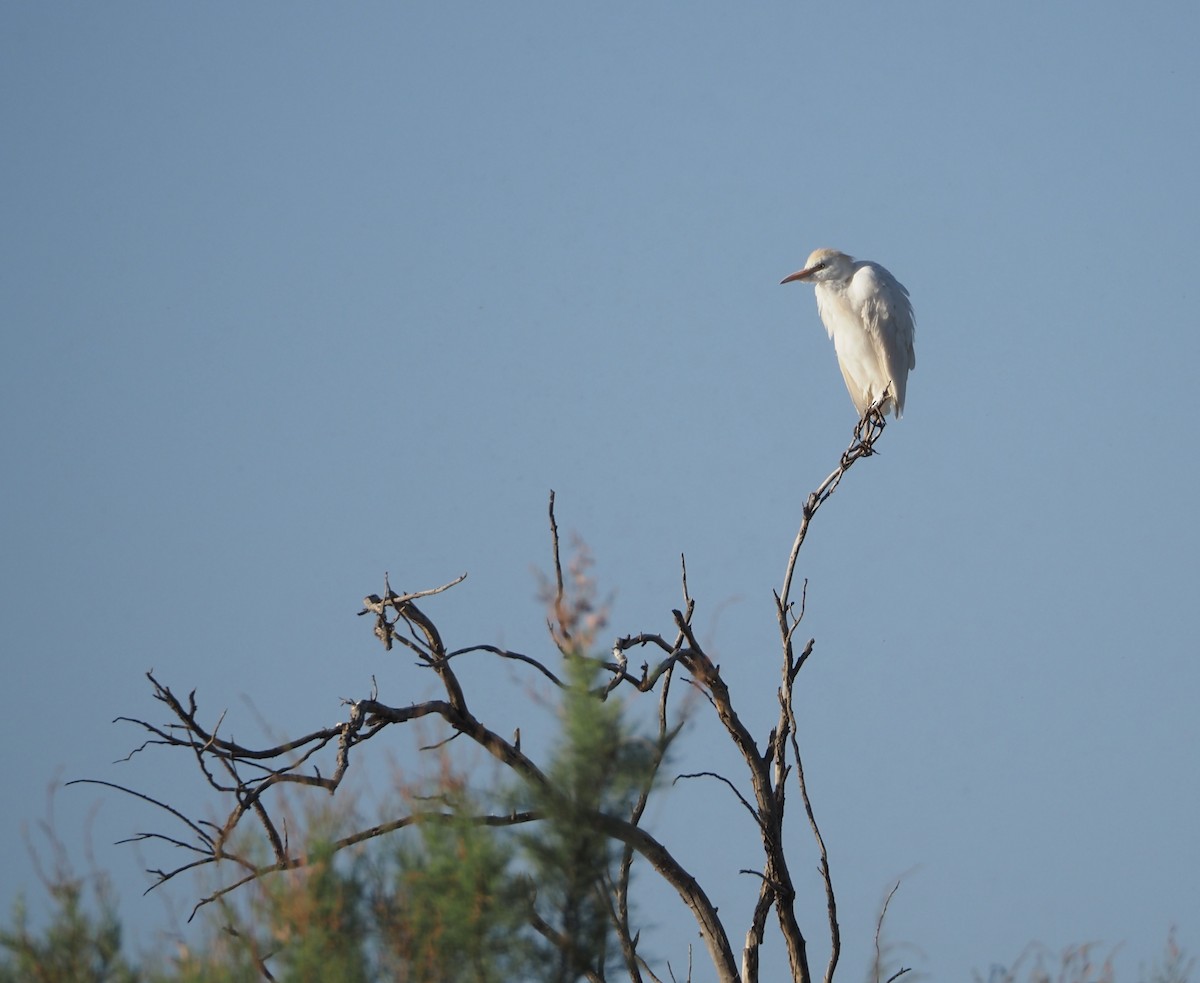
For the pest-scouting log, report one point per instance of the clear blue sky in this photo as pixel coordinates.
(295, 294)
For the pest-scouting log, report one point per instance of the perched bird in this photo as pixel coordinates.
(868, 315)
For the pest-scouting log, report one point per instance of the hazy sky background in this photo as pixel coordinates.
(294, 294)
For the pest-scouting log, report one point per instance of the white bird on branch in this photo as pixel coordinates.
(868, 315)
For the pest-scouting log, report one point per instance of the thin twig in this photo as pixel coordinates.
(507, 654)
(879, 932)
(733, 788)
(868, 430)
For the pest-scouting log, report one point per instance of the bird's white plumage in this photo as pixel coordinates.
(868, 315)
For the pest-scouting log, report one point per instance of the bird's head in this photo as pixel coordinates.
(824, 266)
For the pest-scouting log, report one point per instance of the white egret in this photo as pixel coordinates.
(868, 315)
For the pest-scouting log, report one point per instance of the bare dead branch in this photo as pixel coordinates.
(259, 960)
(615, 899)
(835, 933)
(686, 886)
(733, 788)
(879, 933)
(562, 636)
(756, 934)
(373, 604)
(147, 798)
(645, 968)
(249, 778)
(620, 910)
(506, 654)
(777, 890)
(361, 836)
(561, 942)
(866, 433)
(429, 646)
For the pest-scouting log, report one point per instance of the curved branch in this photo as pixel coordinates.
(507, 654)
(733, 788)
(147, 798)
(688, 888)
(868, 431)
(296, 862)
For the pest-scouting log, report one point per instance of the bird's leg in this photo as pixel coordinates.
(862, 423)
(872, 423)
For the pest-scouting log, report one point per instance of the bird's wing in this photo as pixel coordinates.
(887, 314)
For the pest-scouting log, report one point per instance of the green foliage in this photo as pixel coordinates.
(78, 946)
(450, 909)
(598, 768)
(318, 920)
(224, 959)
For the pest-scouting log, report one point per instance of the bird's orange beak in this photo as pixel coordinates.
(798, 275)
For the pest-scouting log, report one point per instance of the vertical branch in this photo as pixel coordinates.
(768, 801)
(908, 969)
(863, 445)
(866, 433)
(835, 934)
(756, 933)
(625, 934)
(561, 634)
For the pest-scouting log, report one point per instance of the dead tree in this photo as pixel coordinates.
(247, 777)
